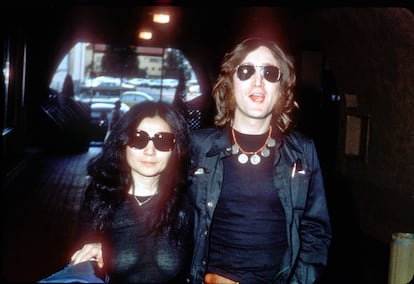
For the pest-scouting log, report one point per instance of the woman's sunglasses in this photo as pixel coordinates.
(269, 72)
(163, 141)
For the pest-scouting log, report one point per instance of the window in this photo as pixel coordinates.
(104, 71)
(101, 74)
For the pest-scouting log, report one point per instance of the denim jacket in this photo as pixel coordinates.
(299, 181)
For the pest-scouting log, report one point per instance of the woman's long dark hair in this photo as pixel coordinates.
(111, 177)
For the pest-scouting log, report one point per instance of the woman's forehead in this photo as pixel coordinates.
(153, 125)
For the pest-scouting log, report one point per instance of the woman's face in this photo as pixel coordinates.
(149, 161)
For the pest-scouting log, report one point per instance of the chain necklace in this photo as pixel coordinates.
(255, 158)
(140, 203)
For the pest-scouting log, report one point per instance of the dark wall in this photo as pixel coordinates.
(371, 53)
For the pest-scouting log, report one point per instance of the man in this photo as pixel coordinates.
(116, 114)
(257, 185)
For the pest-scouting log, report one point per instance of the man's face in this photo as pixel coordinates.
(256, 95)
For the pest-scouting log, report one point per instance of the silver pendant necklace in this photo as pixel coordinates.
(140, 203)
(254, 159)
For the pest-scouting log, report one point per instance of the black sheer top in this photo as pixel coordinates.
(134, 254)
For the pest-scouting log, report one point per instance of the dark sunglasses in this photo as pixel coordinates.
(269, 72)
(163, 141)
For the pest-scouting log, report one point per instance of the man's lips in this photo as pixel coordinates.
(257, 98)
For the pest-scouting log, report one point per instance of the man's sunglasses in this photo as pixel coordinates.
(163, 141)
(269, 72)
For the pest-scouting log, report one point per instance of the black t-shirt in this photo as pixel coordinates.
(248, 236)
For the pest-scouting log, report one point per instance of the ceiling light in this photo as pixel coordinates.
(145, 35)
(161, 18)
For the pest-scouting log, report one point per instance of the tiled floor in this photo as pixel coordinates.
(39, 211)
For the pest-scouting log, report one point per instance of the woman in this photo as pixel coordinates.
(135, 219)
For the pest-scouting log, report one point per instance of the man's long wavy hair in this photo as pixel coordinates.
(223, 91)
(110, 174)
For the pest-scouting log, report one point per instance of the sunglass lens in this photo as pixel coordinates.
(139, 141)
(271, 73)
(164, 141)
(244, 72)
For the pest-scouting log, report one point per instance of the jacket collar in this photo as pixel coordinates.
(222, 142)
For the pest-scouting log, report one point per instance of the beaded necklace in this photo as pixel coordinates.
(254, 158)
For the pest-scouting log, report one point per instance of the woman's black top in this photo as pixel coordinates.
(134, 254)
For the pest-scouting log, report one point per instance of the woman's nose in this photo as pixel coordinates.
(150, 148)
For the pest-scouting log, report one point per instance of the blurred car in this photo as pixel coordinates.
(170, 83)
(131, 98)
(100, 117)
(139, 82)
(88, 99)
(154, 83)
(106, 82)
(105, 86)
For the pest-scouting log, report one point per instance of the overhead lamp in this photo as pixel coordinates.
(161, 18)
(145, 35)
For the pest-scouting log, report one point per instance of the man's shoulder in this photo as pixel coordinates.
(204, 133)
(296, 137)
(212, 140)
(298, 142)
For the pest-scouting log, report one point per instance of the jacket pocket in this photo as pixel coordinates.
(299, 186)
